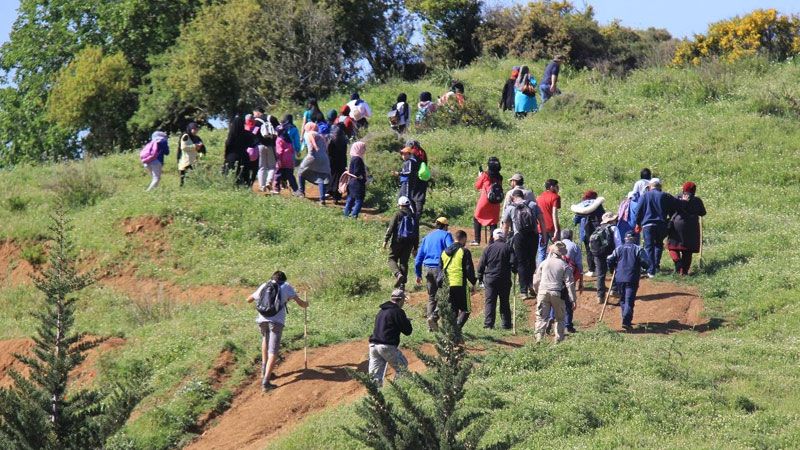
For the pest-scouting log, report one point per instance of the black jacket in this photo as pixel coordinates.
(389, 323)
(497, 261)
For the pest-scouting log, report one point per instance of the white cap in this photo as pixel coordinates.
(497, 233)
(655, 182)
(403, 201)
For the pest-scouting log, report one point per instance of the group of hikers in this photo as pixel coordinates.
(519, 92)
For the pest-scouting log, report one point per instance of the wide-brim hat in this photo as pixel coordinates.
(609, 217)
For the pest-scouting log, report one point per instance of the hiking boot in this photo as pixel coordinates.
(651, 275)
(267, 386)
(570, 329)
(538, 337)
(600, 299)
(627, 327)
(433, 326)
(616, 294)
(588, 274)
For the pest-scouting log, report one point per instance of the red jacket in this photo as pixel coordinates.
(486, 213)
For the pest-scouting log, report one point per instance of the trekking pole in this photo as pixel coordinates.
(608, 294)
(514, 306)
(700, 257)
(305, 333)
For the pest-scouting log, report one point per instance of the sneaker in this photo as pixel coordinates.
(298, 194)
(588, 274)
(474, 243)
(627, 327)
(651, 275)
(433, 326)
(267, 386)
(275, 192)
(538, 338)
(616, 294)
(570, 329)
(600, 300)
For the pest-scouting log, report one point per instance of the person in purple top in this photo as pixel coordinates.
(548, 86)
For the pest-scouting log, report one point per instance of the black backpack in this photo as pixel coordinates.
(524, 217)
(495, 194)
(601, 242)
(269, 303)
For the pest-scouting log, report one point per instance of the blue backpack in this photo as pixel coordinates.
(407, 229)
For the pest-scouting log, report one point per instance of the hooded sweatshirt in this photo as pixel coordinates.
(389, 323)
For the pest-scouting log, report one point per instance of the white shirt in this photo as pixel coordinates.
(362, 106)
(286, 292)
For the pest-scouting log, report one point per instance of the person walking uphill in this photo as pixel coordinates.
(549, 85)
(357, 186)
(153, 161)
(655, 209)
(315, 167)
(524, 93)
(549, 202)
(487, 211)
(684, 229)
(429, 255)
(494, 271)
(385, 340)
(189, 149)
(401, 236)
(275, 293)
(628, 259)
(457, 265)
(553, 275)
(521, 218)
(588, 215)
(507, 97)
(601, 244)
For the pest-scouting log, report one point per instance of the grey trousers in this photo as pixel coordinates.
(380, 355)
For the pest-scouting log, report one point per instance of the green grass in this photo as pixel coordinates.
(717, 125)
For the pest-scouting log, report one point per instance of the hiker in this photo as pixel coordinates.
(357, 186)
(517, 182)
(684, 229)
(190, 148)
(494, 271)
(487, 211)
(267, 160)
(420, 186)
(641, 185)
(385, 339)
(359, 111)
(154, 165)
(455, 94)
(655, 210)
(251, 150)
(294, 134)
(425, 108)
(272, 327)
(549, 85)
(349, 124)
(284, 154)
(524, 93)
(236, 150)
(402, 237)
(520, 219)
(573, 258)
(553, 275)
(315, 167)
(399, 114)
(429, 255)
(311, 114)
(408, 176)
(627, 262)
(337, 154)
(507, 97)
(601, 244)
(456, 264)
(549, 202)
(626, 215)
(588, 215)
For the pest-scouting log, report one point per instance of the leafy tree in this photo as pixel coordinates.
(450, 28)
(405, 423)
(40, 412)
(93, 93)
(761, 31)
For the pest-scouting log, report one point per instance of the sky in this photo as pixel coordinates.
(682, 18)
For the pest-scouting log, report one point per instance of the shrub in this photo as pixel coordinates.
(383, 142)
(34, 254)
(570, 103)
(356, 284)
(79, 184)
(16, 203)
(472, 114)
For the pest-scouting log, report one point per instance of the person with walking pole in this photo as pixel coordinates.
(271, 300)
(553, 275)
(385, 339)
(627, 262)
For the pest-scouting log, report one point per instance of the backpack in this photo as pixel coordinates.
(269, 303)
(495, 194)
(601, 242)
(149, 152)
(524, 218)
(422, 114)
(424, 172)
(394, 116)
(407, 228)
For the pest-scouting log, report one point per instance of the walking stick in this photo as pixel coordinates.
(608, 294)
(305, 333)
(514, 306)
(700, 257)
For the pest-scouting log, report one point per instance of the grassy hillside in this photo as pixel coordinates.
(730, 129)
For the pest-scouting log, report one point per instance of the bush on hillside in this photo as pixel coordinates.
(473, 113)
(79, 184)
(570, 103)
(383, 142)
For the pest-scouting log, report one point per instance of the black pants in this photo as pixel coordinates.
(476, 227)
(398, 262)
(589, 257)
(459, 303)
(525, 253)
(183, 173)
(601, 268)
(497, 288)
(286, 175)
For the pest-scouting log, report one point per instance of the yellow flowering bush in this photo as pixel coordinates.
(761, 31)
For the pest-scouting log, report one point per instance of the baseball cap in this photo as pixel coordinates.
(403, 201)
(497, 233)
(442, 220)
(398, 294)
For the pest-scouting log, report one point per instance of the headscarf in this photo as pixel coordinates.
(524, 74)
(425, 97)
(402, 98)
(358, 149)
(689, 187)
(310, 126)
(289, 119)
(158, 136)
(332, 115)
(355, 96)
(249, 122)
(514, 72)
(194, 138)
(589, 195)
(345, 111)
(310, 136)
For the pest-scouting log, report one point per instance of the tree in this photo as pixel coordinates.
(40, 412)
(94, 93)
(450, 28)
(762, 31)
(446, 424)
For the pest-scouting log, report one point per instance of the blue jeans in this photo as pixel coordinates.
(544, 90)
(541, 250)
(628, 291)
(352, 206)
(321, 186)
(653, 237)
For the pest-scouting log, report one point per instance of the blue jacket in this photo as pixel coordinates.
(294, 136)
(430, 250)
(655, 208)
(163, 150)
(629, 260)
